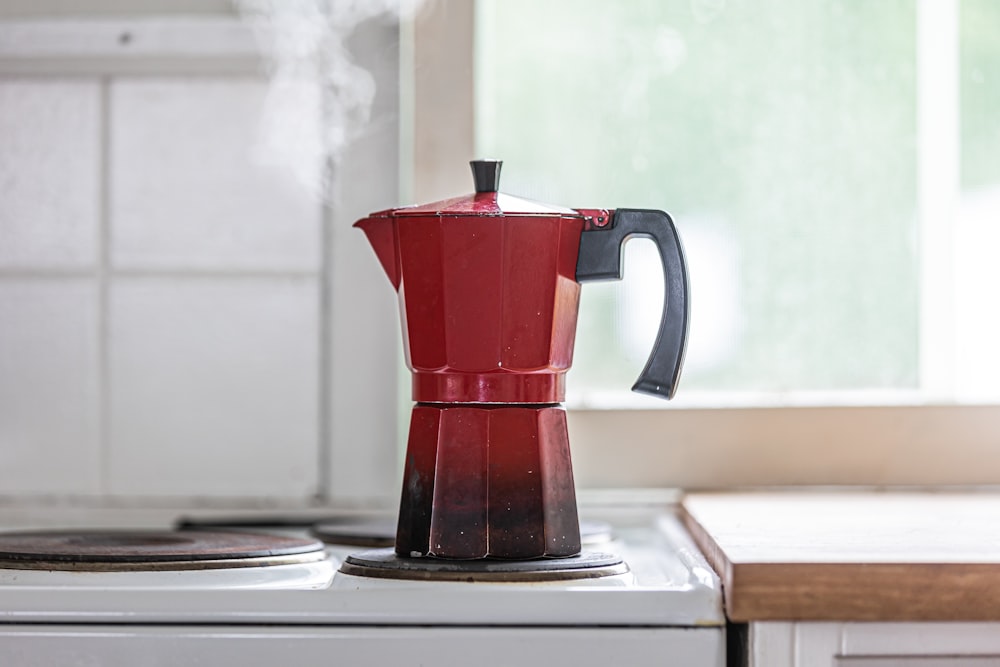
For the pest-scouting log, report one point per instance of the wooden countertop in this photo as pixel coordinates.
(852, 556)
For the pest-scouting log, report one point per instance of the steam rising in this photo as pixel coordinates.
(319, 100)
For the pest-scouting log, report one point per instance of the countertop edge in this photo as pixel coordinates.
(848, 591)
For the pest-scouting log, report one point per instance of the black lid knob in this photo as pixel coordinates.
(486, 174)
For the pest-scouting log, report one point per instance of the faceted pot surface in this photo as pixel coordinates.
(489, 305)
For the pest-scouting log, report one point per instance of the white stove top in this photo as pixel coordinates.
(670, 592)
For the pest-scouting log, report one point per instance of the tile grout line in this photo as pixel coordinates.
(44, 273)
(56, 273)
(104, 287)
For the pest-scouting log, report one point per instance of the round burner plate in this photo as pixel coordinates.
(375, 532)
(386, 564)
(140, 549)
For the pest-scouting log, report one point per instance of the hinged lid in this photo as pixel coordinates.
(487, 200)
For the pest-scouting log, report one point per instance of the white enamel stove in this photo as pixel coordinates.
(278, 608)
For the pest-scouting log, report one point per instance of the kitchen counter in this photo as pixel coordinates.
(852, 556)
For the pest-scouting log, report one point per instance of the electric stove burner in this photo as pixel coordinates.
(595, 533)
(373, 532)
(151, 550)
(385, 564)
(256, 522)
(377, 532)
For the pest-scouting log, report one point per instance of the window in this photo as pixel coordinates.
(830, 166)
(977, 231)
(787, 141)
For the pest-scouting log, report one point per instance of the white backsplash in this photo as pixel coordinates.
(188, 191)
(49, 173)
(213, 386)
(50, 402)
(169, 300)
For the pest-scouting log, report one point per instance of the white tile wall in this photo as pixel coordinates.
(49, 390)
(171, 324)
(188, 190)
(365, 342)
(49, 172)
(214, 387)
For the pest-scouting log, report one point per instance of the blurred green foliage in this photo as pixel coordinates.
(979, 22)
(788, 126)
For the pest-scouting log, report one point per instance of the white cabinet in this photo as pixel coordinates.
(812, 644)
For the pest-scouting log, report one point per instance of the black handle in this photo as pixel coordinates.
(600, 258)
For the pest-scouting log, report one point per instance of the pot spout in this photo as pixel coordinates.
(381, 233)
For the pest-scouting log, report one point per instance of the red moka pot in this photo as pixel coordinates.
(489, 289)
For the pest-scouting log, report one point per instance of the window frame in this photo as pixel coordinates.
(933, 444)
